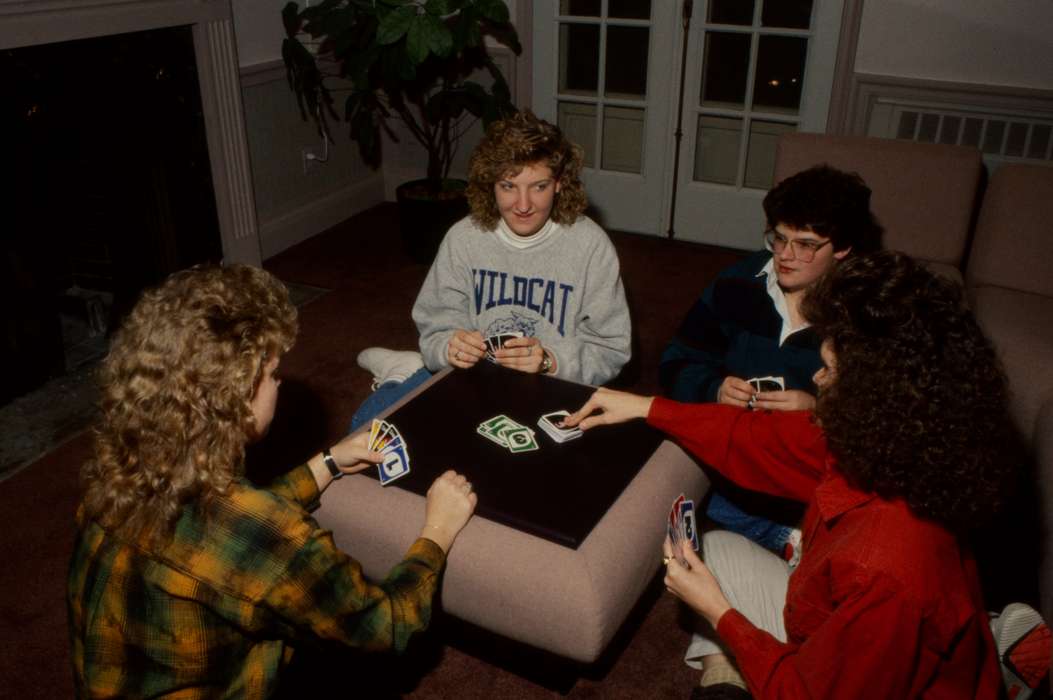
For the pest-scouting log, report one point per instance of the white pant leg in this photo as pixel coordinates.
(754, 582)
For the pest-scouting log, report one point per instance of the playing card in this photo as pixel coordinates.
(767, 383)
(520, 440)
(395, 465)
(550, 423)
(687, 523)
(374, 432)
(497, 341)
(675, 531)
(492, 427)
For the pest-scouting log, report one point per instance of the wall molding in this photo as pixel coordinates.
(262, 73)
(320, 213)
(841, 88)
(868, 89)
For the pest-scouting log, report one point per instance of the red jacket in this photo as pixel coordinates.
(884, 604)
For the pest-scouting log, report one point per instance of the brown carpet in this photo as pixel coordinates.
(372, 287)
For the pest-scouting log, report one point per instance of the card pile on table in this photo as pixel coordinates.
(508, 434)
(681, 526)
(385, 438)
(497, 341)
(550, 423)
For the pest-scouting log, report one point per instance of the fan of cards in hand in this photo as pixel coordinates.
(385, 438)
(497, 341)
(764, 384)
(681, 526)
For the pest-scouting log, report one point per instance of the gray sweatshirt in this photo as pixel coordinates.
(566, 291)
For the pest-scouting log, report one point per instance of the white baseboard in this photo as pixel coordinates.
(316, 216)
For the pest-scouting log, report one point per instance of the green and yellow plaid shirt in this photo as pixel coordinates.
(211, 612)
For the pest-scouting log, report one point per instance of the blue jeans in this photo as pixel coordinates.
(386, 395)
(767, 533)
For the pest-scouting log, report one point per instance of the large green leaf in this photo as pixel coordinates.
(417, 47)
(440, 41)
(395, 24)
(437, 8)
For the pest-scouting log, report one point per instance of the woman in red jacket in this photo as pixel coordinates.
(908, 449)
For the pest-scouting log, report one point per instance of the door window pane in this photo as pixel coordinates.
(1039, 141)
(579, 58)
(629, 9)
(623, 136)
(580, 8)
(949, 129)
(578, 124)
(626, 73)
(717, 149)
(794, 14)
(760, 154)
(726, 60)
(780, 73)
(730, 12)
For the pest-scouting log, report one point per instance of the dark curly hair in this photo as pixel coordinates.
(831, 203)
(176, 391)
(509, 146)
(917, 408)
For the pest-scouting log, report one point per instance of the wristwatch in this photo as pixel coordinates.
(546, 363)
(327, 457)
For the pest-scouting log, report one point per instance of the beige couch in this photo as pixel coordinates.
(1010, 280)
(923, 194)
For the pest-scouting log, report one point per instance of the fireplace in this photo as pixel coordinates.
(150, 187)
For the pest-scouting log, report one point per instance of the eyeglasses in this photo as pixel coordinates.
(803, 250)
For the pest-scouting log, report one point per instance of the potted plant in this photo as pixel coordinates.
(405, 60)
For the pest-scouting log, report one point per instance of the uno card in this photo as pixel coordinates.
(674, 529)
(520, 440)
(687, 523)
(395, 465)
(491, 428)
(551, 424)
(374, 432)
(767, 383)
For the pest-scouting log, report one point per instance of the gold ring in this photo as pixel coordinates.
(666, 560)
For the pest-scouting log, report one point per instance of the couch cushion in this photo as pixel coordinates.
(1014, 234)
(923, 194)
(1021, 327)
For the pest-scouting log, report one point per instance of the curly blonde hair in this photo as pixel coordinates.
(514, 143)
(176, 391)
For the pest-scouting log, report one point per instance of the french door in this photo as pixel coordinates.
(609, 71)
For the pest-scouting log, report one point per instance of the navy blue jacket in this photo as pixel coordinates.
(733, 330)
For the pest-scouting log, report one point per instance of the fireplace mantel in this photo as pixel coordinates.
(34, 22)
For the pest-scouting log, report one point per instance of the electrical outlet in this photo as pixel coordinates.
(309, 156)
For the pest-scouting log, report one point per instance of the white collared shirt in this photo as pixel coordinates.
(779, 299)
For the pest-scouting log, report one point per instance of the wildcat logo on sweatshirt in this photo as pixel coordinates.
(547, 298)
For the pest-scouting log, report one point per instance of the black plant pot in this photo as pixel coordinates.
(425, 218)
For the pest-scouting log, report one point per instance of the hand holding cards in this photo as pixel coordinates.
(681, 527)
(764, 384)
(385, 438)
(497, 341)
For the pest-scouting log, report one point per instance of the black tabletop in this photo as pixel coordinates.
(558, 492)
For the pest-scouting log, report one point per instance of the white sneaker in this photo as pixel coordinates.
(1024, 647)
(389, 365)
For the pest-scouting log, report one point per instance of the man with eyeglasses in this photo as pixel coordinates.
(748, 325)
